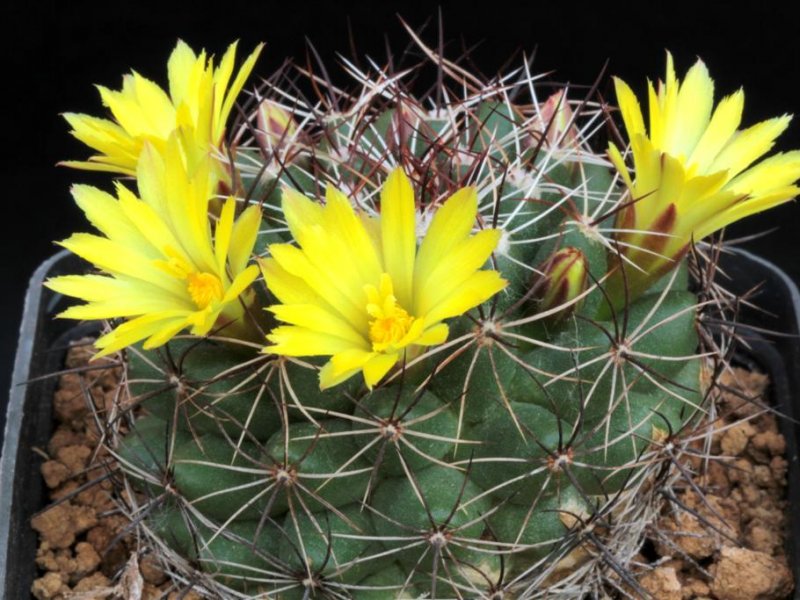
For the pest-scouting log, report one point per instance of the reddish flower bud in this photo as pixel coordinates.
(274, 126)
(556, 122)
(559, 280)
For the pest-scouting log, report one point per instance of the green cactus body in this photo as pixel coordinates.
(470, 471)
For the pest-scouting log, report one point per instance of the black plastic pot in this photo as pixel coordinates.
(43, 342)
(29, 420)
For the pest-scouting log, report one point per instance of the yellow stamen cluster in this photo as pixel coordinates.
(204, 288)
(391, 322)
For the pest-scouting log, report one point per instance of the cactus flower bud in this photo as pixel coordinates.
(274, 126)
(400, 125)
(560, 279)
(556, 122)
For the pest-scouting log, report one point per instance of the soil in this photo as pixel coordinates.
(723, 535)
(721, 538)
(87, 548)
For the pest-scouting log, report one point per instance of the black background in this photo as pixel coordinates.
(54, 51)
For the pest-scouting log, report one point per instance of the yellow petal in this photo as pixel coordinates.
(671, 80)
(150, 181)
(100, 167)
(243, 238)
(120, 299)
(132, 115)
(240, 283)
(94, 130)
(104, 212)
(335, 242)
(748, 145)
(656, 118)
(695, 101)
(290, 340)
(433, 336)
(180, 198)
(155, 106)
(339, 216)
(317, 318)
(451, 224)
(669, 191)
(629, 107)
(412, 335)
(330, 254)
(286, 287)
(619, 163)
(774, 172)
(109, 139)
(222, 74)
(377, 366)
(702, 197)
(481, 286)
(723, 125)
(179, 68)
(647, 163)
(136, 330)
(238, 83)
(223, 233)
(398, 234)
(668, 118)
(697, 209)
(349, 360)
(342, 366)
(111, 297)
(118, 259)
(372, 225)
(746, 208)
(296, 263)
(455, 268)
(85, 287)
(289, 289)
(148, 225)
(299, 211)
(170, 329)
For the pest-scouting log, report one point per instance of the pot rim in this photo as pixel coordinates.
(26, 342)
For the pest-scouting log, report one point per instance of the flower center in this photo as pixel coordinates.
(390, 329)
(204, 288)
(391, 322)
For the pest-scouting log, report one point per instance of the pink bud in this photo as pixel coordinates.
(274, 126)
(556, 122)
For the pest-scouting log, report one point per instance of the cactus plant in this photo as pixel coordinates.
(470, 362)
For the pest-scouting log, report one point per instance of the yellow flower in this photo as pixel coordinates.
(199, 103)
(359, 290)
(163, 270)
(693, 171)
